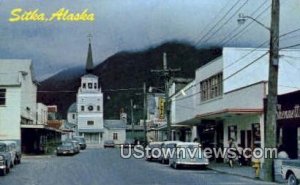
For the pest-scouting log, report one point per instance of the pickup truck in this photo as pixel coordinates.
(290, 170)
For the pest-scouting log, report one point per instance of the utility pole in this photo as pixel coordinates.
(132, 120)
(271, 121)
(166, 72)
(145, 112)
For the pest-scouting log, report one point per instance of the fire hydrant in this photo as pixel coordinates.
(256, 166)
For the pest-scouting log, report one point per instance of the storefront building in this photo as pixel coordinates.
(288, 124)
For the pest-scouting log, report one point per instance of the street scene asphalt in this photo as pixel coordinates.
(105, 166)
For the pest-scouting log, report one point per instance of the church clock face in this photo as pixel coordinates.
(90, 107)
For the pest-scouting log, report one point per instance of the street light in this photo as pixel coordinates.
(270, 124)
(242, 19)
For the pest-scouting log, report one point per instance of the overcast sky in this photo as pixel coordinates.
(135, 25)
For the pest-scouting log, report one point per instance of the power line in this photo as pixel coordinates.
(237, 11)
(226, 40)
(258, 47)
(214, 19)
(246, 66)
(207, 33)
(291, 46)
(230, 76)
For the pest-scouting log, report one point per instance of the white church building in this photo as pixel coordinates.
(87, 111)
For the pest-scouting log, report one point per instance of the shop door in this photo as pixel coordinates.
(246, 138)
(289, 140)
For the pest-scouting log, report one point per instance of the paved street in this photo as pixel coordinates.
(105, 167)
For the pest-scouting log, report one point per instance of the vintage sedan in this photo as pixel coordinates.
(109, 144)
(5, 159)
(153, 151)
(66, 148)
(188, 154)
(167, 149)
(17, 148)
(81, 141)
(12, 148)
(76, 144)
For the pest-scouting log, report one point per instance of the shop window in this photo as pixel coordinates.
(115, 136)
(256, 134)
(211, 87)
(90, 122)
(2, 96)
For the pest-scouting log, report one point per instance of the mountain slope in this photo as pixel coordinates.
(126, 70)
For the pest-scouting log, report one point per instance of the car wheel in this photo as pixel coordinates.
(176, 166)
(3, 172)
(292, 180)
(170, 164)
(7, 169)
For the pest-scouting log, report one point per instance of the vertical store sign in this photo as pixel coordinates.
(161, 108)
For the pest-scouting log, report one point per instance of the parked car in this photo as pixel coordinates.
(81, 141)
(66, 148)
(128, 143)
(153, 154)
(184, 158)
(17, 148)
(165, 146)
(290, 170)
(12, 150)
(76, 144)
(5, 159)
(109, 144)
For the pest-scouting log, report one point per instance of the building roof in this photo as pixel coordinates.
(72, 108)
(91, 130)
(89, 76)
(114, 124)
(11, 69)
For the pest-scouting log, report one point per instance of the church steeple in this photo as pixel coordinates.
(89, 61)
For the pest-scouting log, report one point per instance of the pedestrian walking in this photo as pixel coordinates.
(241, 157)
(232, 152)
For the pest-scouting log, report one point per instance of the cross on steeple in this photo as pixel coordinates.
(90, 36)
(89, 61)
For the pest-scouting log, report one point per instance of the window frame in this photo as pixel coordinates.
(115, 136)
(3, 92)
(211, 87)
(90, 122)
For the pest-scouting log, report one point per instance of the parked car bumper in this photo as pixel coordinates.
(192, 163)
(2, 165)
(65, 152)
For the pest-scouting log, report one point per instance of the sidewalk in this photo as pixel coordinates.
(243, 171)
(28, 156)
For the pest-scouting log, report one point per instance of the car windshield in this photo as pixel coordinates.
(81, 140)
(67, 144)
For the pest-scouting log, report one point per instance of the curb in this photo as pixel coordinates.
(252, 178)
(36, 156)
